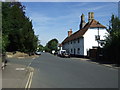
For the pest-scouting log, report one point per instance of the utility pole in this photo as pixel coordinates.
(98, 40)
(98, 36)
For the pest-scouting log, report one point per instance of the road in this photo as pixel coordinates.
(54, 72)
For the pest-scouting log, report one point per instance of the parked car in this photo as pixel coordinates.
(56, 53)
(63, 53)
(38, 53)
(66, 55)
(53, 51)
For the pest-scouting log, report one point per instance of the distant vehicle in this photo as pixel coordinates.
(53, 51)
(63, 53)
(38, 53)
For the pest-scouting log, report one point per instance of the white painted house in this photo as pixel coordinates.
(88, 36)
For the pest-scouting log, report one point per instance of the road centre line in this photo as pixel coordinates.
(28, 84)
(29, 81)
(29, 64)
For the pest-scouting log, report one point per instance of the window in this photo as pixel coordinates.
(97, 37)
(74, 50)
(71, 51)
(78, 40)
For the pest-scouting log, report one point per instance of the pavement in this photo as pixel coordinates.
(99, 63)
(15, 75)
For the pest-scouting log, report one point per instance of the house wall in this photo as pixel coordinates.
(75, 47)
(86, 42)
(89, 38)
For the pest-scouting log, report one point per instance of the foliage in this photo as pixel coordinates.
(47, 49)
(112, 45)
(17, 29)
(40, 48)
(51, 45)
(5, 42)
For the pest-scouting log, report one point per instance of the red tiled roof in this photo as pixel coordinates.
(60, 45)
(95, 24)
(81, 32)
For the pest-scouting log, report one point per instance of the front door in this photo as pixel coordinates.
(74, 51)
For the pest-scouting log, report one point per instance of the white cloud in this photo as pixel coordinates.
(40, 19)
(96, 8)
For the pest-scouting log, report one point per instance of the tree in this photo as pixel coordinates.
(18, 33)
(51, 45)
(40, 47)
(112, 45)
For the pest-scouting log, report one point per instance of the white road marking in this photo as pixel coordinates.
(20, 69)
(26, 86)
(29, 64)
(33, 58)
(29, 81)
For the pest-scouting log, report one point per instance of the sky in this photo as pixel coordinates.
(54, 19)
(62, 0)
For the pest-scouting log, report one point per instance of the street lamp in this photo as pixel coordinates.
(98, 40)
(98, 36)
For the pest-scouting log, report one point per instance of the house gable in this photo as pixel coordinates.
(81, 32)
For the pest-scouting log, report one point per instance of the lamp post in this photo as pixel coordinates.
(98, 37)
(98, 40)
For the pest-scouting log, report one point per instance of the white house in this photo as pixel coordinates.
(88, 36)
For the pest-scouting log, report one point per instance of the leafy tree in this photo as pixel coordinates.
(18, 33)
(47, 49)
(5, 42)
(52, 45)
(40, 48)
(0, 16)
(112, 45)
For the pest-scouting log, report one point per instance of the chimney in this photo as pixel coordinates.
(82, 24)
(70, 32)
(90, 16)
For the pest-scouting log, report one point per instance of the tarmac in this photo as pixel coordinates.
(15, 76)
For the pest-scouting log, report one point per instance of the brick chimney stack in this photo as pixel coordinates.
(70, 32)
(90, 16)
(82, 24)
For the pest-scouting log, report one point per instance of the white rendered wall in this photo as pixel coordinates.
(75, 46)
(89, 38)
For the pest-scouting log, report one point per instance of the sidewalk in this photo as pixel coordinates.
(98, 62)
(14, 76)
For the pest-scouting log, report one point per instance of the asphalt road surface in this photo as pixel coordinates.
(54, 72)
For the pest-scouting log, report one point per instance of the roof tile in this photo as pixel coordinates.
(81, 32)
